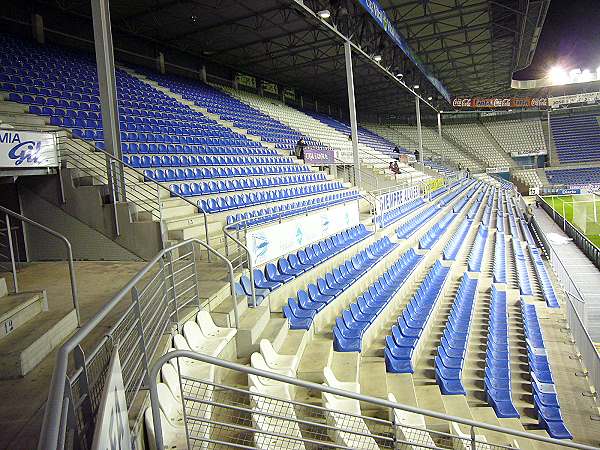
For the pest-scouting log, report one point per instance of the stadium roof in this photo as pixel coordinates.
(472, 46)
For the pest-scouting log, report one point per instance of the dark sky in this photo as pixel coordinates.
(570, 37)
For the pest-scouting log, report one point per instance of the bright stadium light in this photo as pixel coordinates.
(558, 75)
(416, 86)
(400, 75)
(430, 98)
(324, 14)
(377, 58)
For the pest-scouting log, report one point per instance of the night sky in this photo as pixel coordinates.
(570, 37)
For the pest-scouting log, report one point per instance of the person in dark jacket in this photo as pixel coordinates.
(300, 146)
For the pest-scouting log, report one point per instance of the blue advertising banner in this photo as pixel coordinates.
(381, 17)
(321, 156)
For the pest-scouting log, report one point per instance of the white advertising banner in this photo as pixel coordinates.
(271, 242)
(112, 423)
(391, 200)
(27, 149)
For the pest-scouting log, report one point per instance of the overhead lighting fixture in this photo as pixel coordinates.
(194, 18)
(416, 86)
(558, 76)
(377, 58)
(324, 14)
(429, 98)
(400, 75)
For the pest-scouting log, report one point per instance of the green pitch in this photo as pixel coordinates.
(579, 211)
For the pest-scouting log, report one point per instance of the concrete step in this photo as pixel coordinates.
(253, 323)
(429, 397)
(26, 347)
(317, 355)
(403, 388)
(345, 366)
(17, 309)
(373, 382)
(294, 343)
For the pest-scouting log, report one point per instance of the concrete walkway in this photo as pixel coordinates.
(585, 276)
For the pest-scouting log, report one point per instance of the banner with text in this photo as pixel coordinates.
(271, 242)
(498, 103)
(27, 149)
(432, 185)
(378, 13)
(585, 98)
(319, 157)
(392, 200)
(112, 423)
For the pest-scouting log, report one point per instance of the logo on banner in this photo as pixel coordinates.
(324, 223)
(299, 234)
(27, 151)
(261, 245)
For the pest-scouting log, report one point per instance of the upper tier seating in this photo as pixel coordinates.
(518, 136)
(229, 108)
(577, 137)
(407, 136)
(580, 175)
(530, 177)
(473, 137)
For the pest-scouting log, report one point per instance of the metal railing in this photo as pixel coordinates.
(586, 246)
(153, 303)
(144, 194)
(576, 314)
(13, 258)
(224, 415)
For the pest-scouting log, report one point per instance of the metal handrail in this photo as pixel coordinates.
(155, 405)
(10, 213)
(51, 425)
(152, 192)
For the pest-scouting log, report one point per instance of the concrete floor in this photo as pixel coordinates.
(23, 400)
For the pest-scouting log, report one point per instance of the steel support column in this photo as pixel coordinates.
(419, 131)
(108, 92)
(549, 152)
(439, 117)
(352, 108)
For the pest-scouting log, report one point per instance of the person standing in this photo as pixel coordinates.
(299, 151)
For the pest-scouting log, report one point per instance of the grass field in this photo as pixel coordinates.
(579, 211)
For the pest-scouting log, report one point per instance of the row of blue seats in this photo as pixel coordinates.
(407, 229)
(453, 247)
(212, 160)
(66, 109)
(50, 96)
(295, 264)
(522, 272)
(435, 232)
(196, 160)
(393, 215)
(402, 347)
(218, 187)
(545, 399)
(235, 201)
(476, 255)
(451, 352)
(31, 100)
(500, 258)
(543, 278)
(500, 222)
(302, 310)
(211, 173)
(487, 215)
(349, 329)
(159, 138)
(512, 223)
(527, 233)
(497, 379)
(435, 194)
(256, 217)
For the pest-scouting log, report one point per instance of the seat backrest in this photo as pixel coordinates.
(193, 334)
(206, 323)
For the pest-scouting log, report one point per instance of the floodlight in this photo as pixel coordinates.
(416, 86)
(377, 58)
(324, 14)
(558, 75)
(429, 98)
(400, 75)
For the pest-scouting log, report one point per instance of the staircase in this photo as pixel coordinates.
(29, 331)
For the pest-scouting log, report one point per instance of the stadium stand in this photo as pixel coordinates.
(478, 141)
(576, 137)
(579, 175)
(518, 137)
(459, 272)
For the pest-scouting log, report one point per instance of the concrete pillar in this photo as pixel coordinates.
(203, 73)
(301, 102)
(316, 105)
(439, 117)
(549, 141)
(160, 62)
(352, 109)
(105, 63)
(37, 28)
(235, 84)
(329, 109)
